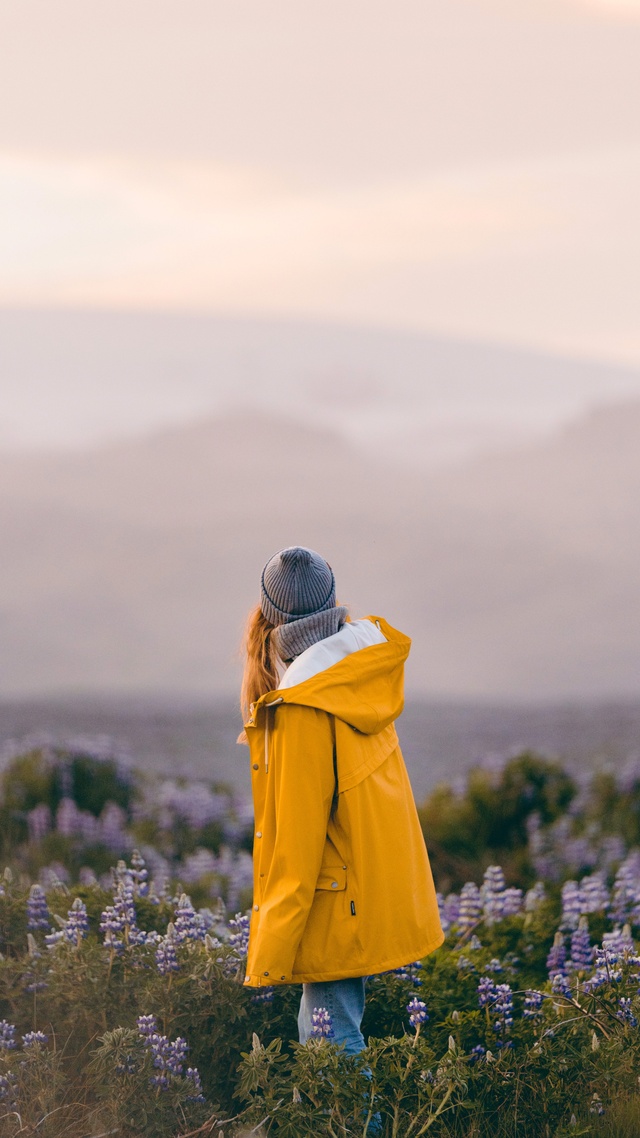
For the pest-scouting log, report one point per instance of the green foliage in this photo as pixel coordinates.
(616, 809)
(95, 1075)
(94, 782)
(461, 1074)
(487, 824)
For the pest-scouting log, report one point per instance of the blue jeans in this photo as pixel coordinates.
(344, 1000)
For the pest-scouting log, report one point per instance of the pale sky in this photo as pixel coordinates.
(462, 167)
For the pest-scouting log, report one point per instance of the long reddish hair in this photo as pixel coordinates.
(260, 673)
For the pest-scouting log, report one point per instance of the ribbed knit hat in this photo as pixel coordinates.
(296, 582)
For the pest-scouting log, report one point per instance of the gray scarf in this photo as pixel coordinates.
(291, 639)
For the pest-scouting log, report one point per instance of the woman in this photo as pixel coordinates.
(342, 883)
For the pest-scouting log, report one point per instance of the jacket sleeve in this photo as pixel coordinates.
(301, 765)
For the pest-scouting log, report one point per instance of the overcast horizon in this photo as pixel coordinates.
(77, 380)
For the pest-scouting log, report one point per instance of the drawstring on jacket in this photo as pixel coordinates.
(266, 731)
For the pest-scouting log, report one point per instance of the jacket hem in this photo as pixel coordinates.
(349, 973)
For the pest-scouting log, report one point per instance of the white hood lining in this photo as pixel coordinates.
(353, 636)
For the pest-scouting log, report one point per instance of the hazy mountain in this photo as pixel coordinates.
(86, 377)
(131, 567)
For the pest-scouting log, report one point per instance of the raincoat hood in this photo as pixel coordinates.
(364, 690)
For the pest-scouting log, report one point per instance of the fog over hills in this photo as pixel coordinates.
(76, 378)
(130, 568)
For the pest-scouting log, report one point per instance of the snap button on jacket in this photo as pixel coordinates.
(342, 882)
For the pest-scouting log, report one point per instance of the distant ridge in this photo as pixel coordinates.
(72, 377)
(130, 568)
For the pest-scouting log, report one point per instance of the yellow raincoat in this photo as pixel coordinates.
(341, 888)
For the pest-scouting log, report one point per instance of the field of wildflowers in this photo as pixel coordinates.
(123, 930)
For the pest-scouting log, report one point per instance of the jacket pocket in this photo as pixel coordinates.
(333, 877)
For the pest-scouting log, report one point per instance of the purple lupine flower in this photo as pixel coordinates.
(618, 942)
(532, 1004)
(478, 1052)
(126, 1066)
(176, 1055)
(502, 1008)
(581, 949)
(492, 894)
(67, 818)
(464, 964)
(560, 986)
(262, 995)
(534, 897)
(595, 1106)
(236, 870)
(34, 1038)
(39, 822)
(77, 923)
(147, 1025)
(167, 1056)
(239, 938)
(112, 826)
(408, 972)
(494, 965)
(201, 863)
(119, 921)
(166, 956)
(498, 999)
(52, 940)
(140, 873)
(53, 876)
(31, 980)
(9, 1090)
(111, 924)
(159, 1047)
(440, 900)
(196, 804)
(193, 1075)
(38, 916)
(624, 897)
(7, 1036)
(511, 901)
(321, 1024)
(612, 851)
(606, 959)
(556, 960)
(572, 905)
(625, 1013)
(486, 991)
(188, 924)
(449, 908)
(595, 894)
(417, 1012)
(470, 909)
(538, 842)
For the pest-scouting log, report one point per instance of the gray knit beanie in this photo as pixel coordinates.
(296, 582)
(298, 596)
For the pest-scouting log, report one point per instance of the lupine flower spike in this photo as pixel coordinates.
(7, 1036)
(417, 1015)
(417, 1012)
(37, 909)
(321, 1024)
(556, 960)
(77, 925)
